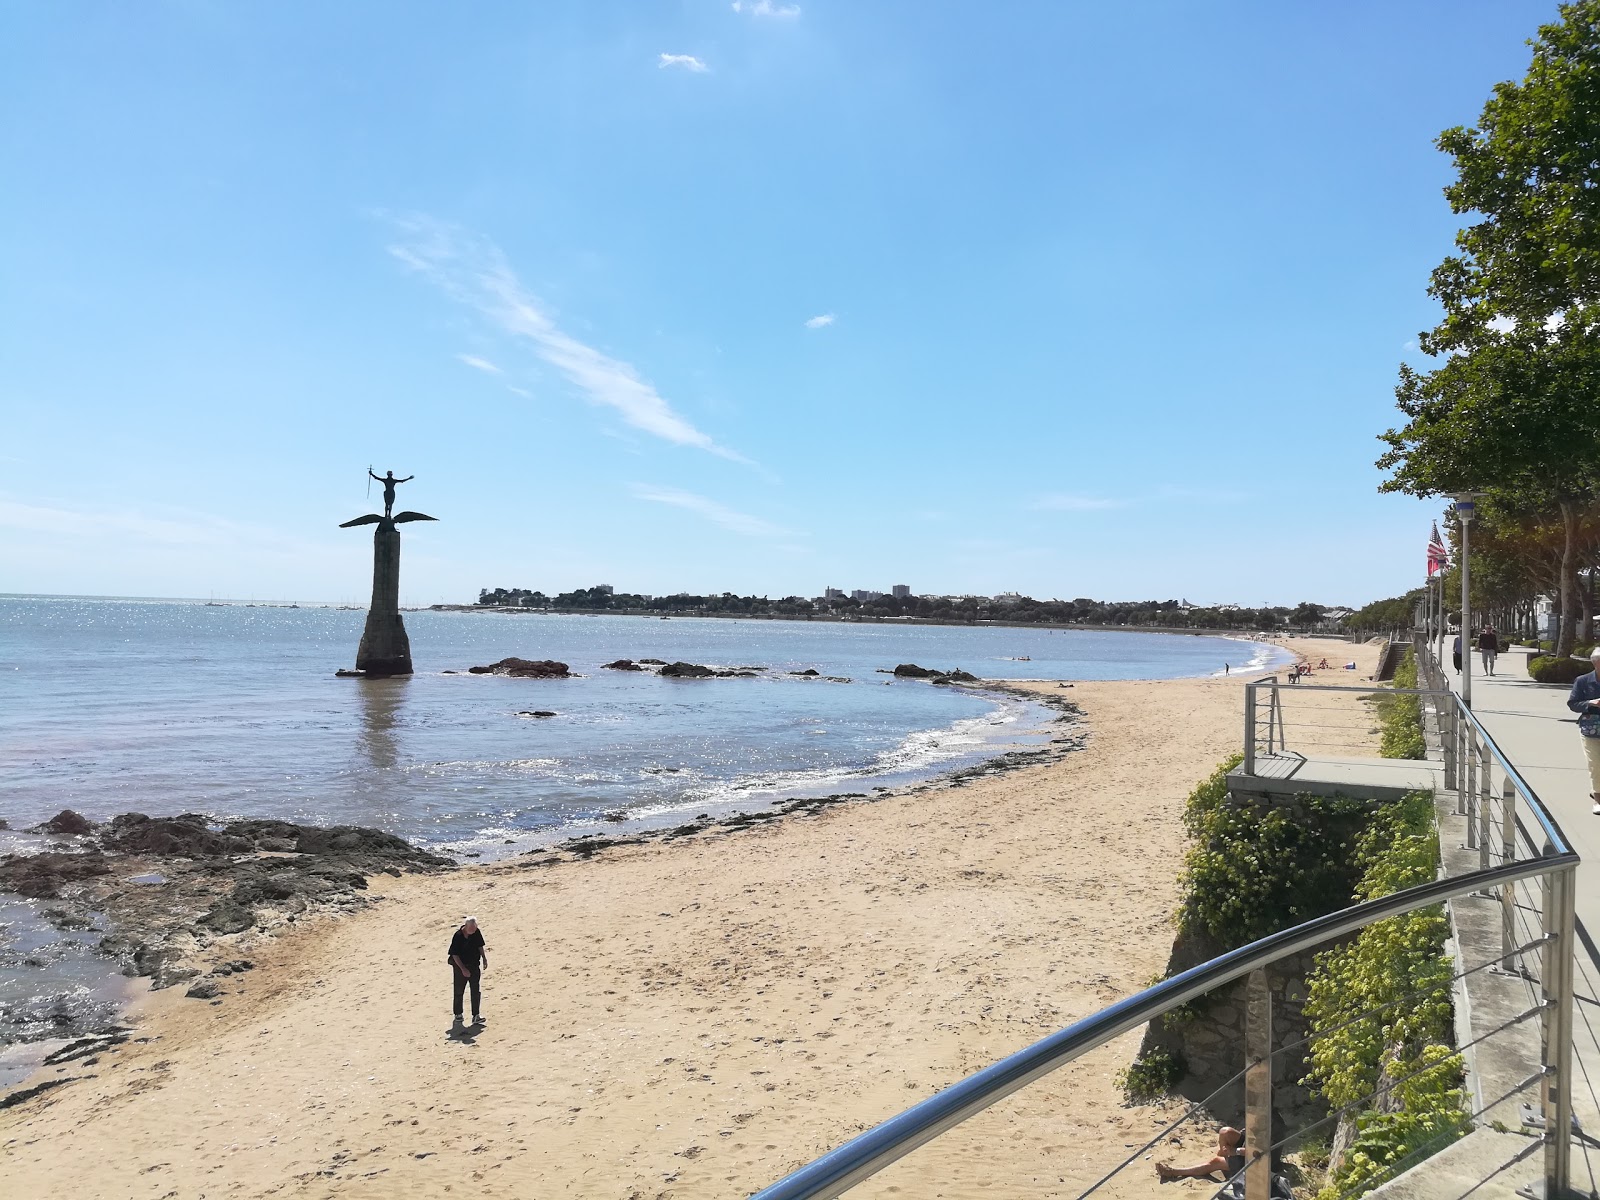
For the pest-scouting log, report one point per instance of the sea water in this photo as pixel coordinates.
(233, 710)
(110, 706)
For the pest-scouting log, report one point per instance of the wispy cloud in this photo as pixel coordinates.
(766, 8)
(821, 321)
(480, 364)
(182, 529)
(474, 272)
(1066, 502)
(687, 61)
(718, 514)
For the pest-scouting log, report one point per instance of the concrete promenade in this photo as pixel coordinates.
(1531, 723)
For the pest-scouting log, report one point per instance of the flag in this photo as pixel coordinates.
(1438, 559)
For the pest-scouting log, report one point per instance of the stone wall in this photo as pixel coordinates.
(1208, 1034)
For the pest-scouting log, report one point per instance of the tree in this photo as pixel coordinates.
(1516, 415)
(1529, 170)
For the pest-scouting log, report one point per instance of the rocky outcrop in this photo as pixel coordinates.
(523, 668)
(65, 822)
(623, 664)
(808, 673)
(42, 876)
(912, 671)
(188, 835)
(654, 662)
(536, 712)
(683, 670)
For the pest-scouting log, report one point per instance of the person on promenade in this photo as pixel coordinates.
(1227, 1161)
(1584, 699)
(468, 958)
(1488, 647)
(1455, 653)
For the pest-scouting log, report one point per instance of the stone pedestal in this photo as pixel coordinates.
(385, 649)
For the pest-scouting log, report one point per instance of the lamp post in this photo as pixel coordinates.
(1466, 504)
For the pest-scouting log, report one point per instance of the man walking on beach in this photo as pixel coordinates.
(468, 957)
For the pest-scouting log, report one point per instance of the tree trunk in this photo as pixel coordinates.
(1568, 635)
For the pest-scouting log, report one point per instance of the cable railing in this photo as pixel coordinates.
(1522, 860)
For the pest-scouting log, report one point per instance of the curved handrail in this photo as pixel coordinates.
(868, 1153)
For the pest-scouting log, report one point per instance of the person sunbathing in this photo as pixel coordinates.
(1228, 1161)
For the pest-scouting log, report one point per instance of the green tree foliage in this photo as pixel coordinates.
(1510, 407)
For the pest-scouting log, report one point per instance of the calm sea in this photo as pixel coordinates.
(110, 706)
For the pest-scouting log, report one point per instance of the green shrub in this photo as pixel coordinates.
(1398, 967)
(1153, 1076)
(1255, 868)
(1401, 716)
(1547, 668)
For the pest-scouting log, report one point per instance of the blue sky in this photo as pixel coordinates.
(1062, 298)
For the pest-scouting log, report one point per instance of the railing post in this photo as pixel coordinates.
(1484, 815)
(1508, 891)
(1448, 723)
(1468, 795)
(1557, 987)
(1249, 729)
(1273, 717)
(1258, 1086)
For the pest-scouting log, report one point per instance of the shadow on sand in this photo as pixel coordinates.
(466, 1034)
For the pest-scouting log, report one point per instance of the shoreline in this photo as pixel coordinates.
(682, 1019)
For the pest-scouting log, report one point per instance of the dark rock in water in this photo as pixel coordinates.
(42, 875)
(66, 822)
(623, 664)
(959, 676)
(536, 712)
(654, 662)
(912, 671)
(205, 989)
(683, 670)
(186, 836)
(808, 673)
(523, 668)
(4, 824)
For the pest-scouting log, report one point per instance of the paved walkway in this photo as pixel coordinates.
(1531, 723)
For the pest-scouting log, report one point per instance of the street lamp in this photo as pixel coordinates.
(1466, 505)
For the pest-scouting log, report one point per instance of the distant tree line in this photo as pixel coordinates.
(1171, 614)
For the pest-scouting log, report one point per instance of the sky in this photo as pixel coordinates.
(1061, 298)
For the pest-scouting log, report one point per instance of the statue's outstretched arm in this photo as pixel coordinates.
(407, 479)
(379, 478)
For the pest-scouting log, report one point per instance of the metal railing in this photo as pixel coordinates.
(1537, 944)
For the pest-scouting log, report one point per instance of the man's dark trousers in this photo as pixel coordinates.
(461, 982)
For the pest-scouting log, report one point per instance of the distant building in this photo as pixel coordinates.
(863, 595)
(900, 591)
(832, 594)
(1007, 599)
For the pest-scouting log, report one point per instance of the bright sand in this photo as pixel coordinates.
(693, 1018)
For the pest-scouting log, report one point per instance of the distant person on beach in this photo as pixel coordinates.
(468, 957)
(1584, 699)
(1455, 652)
(1227, 1161)
(1227, 668)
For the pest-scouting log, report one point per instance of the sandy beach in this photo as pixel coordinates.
(691, 1018)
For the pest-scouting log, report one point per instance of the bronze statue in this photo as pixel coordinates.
(385, 649)
(389, 481)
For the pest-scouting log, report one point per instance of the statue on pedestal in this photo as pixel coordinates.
(385, 649)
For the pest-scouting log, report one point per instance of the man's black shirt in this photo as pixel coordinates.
(469, 948)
